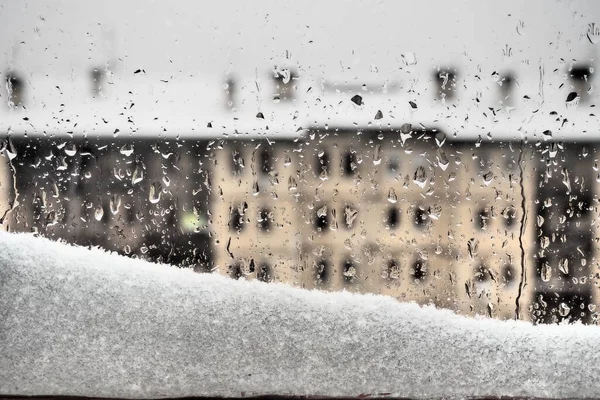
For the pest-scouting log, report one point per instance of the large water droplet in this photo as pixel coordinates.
(71, 150)
(350, 214)
(115, 203)
(473, 247)
(99, 213)
(126, 149)
(377, 155)
(392, 198)
(154, 192)
(420, 177)
(563, 309)
(138, 175)
(563, 266)
(546, 272)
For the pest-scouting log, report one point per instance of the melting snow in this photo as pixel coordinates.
(83, 322)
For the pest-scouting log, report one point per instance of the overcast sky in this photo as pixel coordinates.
(180, 43)
(323, 38)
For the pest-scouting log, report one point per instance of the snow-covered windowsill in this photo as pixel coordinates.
(80, 322)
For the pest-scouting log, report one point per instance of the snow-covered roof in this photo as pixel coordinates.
(83, 322)
(171, 61)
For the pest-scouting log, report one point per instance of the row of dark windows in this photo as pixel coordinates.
(445, 82)
(484, 274)
(323, 270)
(237, 221)
(483, 216)
(264, 271)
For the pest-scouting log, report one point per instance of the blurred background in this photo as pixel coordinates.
(435, 152)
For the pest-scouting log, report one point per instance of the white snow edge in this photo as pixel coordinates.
(82, 322)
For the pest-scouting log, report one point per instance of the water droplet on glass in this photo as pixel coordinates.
(563, 309)
(488, 178)
(292, 184)
(377, 155)
(350, 214)
(546, 272)
(442, 160)
(99, 213)
(115, 203)
(572, 99)
(420, 177)
(563, 266)
(473, 247)
(138, 175)
(126, 149)
(566, 180)
(71, 150)
(155, 192)
(392, 198)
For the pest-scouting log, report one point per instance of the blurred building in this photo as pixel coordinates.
(328, 190)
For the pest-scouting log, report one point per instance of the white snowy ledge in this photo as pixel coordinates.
(83, 322)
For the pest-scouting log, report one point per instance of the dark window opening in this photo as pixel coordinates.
(230, 92)
(581, 77)
(508, 274)
(16, 90)
(569, 306)
(349, 269)
(130, 214)
(264, 219)
(349, 164)
(264, 273)
(237, 163)
(445, 84)
(236, 220)
(265, 161)
(393, 166)
(322, 272)
(481, 219)
(322, 163)
(236, 271)
(507, 87)
(419, 270)
(393, 218)
(321, 218)
(510, 216)
(97, 76)
(283, 79)
(420, 218)
(393, 270)
(481, 273)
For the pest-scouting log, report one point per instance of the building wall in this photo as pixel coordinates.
(399, 212)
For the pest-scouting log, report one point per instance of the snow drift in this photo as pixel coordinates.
(75, 321)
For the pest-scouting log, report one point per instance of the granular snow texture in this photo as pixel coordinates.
(82, 322)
